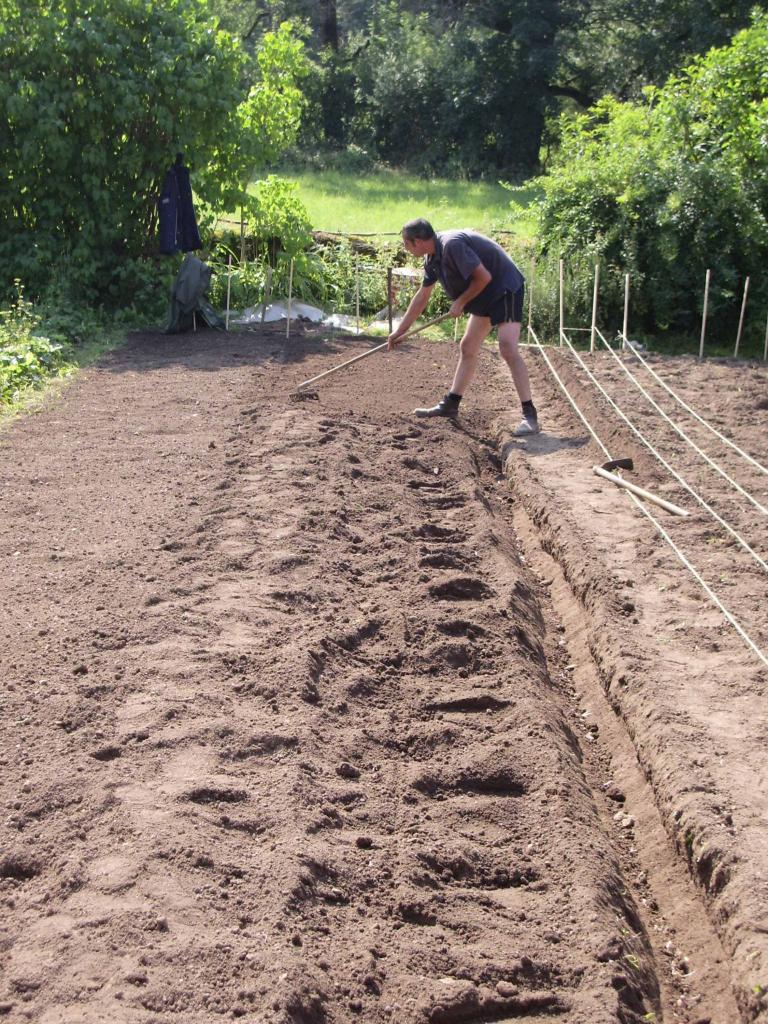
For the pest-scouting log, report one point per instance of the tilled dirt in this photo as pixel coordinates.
(305, 713)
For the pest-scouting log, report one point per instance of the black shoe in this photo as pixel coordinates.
(447, 406)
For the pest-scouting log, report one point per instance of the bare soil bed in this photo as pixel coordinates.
(313, 713)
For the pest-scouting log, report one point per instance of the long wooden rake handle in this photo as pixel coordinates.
(370, 352)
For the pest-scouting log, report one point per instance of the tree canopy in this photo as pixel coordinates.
(673, 185)
(97, 97)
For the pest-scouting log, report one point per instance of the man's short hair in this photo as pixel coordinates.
(418, 228)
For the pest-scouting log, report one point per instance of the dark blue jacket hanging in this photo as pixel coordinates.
(178, 226)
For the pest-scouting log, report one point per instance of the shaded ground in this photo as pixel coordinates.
(302, 721)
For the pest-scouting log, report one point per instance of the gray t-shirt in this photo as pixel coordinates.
(456, 255)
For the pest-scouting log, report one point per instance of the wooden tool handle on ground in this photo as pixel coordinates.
(640, 492)
(370, 352)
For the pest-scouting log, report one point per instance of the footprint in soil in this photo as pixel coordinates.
(431, 531)
(214, 795)
(446, 558)
(461, 588)
(461, 627)
(500, 782)
(469, 703)
(447, 502)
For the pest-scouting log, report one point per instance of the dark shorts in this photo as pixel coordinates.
(508, 308)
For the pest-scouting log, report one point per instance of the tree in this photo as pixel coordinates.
(95, 100)
(673, 186)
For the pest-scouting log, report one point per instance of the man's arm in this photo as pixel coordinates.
(478, 281)
(416, 307)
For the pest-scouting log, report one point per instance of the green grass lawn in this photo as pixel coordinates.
(382, 201)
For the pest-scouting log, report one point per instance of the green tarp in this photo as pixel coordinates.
(189, 307)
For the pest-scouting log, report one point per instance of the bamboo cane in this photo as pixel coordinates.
(741, 318)
(704, 314)
(229, 285)
(290, 293)
(594, 308)
(267, 293)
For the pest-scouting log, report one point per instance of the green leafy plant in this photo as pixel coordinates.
(27, 358)
(95, 101)
(667, 189)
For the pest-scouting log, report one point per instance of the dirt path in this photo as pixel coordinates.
(303, 723)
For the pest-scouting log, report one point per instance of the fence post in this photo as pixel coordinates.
(704, 315)
(562, 302)
(389, 297)
(290, 294)
(594, 308)
(741, 318)
(229, 286)
(357, 296)
(624, 338)
(267, 293)
(530, 292)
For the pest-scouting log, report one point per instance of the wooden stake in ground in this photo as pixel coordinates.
(357, 296)
(624, 338)
(267, 293)
(594, 308)
(704, 315)
(229, 285)
(765, 348)
(290, 293)
(741, 318)
(389, 297)
(562, 302)
(530, 293)
(242, 237)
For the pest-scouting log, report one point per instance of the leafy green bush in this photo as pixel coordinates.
(27, 358)
(669, 189)
(95, 100)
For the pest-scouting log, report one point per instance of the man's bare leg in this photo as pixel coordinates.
(477, 330)
(509, 349)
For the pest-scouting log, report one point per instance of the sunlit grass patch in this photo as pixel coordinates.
(383, 200)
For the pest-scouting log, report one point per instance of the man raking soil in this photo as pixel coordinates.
(484, 282)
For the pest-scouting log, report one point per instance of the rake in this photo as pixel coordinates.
(300, 394)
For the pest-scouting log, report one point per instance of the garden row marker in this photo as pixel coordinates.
(704, 315)
(741, 318)
(562, 303)
(389, 297)
(624, 339)
(357, 296)
(290, 293)
(594, 308)
(692, 412)
(267, 294)
(688, 565)
(229, 283)
(765, 349)
(370, 352)
(681, 433)
(660, 458)
(530, 292)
